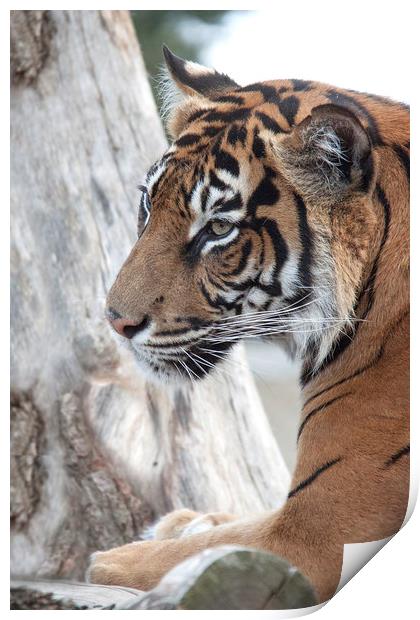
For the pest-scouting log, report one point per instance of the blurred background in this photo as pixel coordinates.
(252, 46)
(272, 44)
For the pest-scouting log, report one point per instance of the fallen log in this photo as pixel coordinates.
(227, 577)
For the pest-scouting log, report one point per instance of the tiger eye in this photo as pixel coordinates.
(220, 227)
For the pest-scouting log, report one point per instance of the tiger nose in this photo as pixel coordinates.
(126, 327)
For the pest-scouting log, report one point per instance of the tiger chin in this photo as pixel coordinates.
(280, 211)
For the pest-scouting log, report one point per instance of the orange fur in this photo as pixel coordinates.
(352, 475)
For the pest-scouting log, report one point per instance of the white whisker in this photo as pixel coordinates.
(195, 362)
(183, 364)
(253, 333)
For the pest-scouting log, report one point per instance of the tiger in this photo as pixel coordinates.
(280, 211)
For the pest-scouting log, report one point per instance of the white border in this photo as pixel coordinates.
(387, 585)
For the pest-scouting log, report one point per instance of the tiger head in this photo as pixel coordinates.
(257, 222)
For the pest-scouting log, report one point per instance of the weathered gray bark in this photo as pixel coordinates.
(96, 453)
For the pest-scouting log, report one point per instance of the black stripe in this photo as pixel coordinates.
(258, 147)
(289, 108)
(206, 294)
(199, 174)
(217, 285)
(363, 369)
(152, 170)
(274, 290)
(230, 99)
(318, 409)
(237, 133)
(241, 286)
(265, 194)
(204, 197)
(313, 477)
(339, 346)
(233, 204)
(210, 355)
(197, 114)
(370, 287)
(174, 332)
(269, 123)
(218, 302)
(194, 324)
(188, 139)
(404, 158)
(225, 161)
(305, 275)
(246, 251)
(216, 182)
(306, 241)
(211, 131)
(368, 169)
(268, 92)
(280, 249)
(193, 321)
(396, 457)
(301, 85)
(227, 116)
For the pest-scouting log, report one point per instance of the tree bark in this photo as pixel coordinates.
(96, 452)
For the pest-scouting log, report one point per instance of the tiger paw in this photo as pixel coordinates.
(181, 523)
(142, 564)
(137, 565)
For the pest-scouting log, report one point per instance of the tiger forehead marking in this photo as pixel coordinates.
(224, 179)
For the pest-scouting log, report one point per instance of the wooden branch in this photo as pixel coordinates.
(81, 595)
(228, 577)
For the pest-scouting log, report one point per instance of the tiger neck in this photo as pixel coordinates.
(383, 301)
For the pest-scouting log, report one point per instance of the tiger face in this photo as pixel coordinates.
(256, 222)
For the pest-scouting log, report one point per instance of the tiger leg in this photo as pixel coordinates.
(350, 495)
(300, 532)
(142, 564)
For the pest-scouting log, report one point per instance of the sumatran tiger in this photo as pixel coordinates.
(281, 209)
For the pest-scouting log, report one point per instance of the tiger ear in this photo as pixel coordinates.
(327, 156)
(194, 79)
(185, 87)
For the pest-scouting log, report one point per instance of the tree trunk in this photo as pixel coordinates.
(96, 452)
